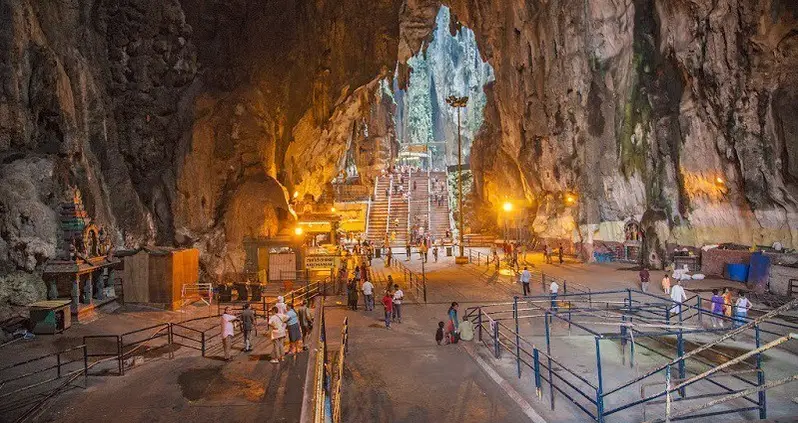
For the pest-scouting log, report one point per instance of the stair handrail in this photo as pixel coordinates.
(388, 218)
(429, 203)
(409, 198)
(452, 225)
(368, 208)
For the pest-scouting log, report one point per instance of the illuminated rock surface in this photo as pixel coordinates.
(189, 122)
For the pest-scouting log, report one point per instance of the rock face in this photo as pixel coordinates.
(189, 122)
(673, 113)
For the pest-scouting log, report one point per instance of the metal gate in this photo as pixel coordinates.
(282, 266)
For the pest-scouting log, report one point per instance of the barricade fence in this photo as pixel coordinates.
(643, 321)
(30, 382)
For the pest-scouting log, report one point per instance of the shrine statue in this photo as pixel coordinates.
(104, 243)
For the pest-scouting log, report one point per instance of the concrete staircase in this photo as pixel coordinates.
(379, 217)
(439, 218)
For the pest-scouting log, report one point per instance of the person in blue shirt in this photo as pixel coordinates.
(294, 331)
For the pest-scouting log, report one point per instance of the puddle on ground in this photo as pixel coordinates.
(260, 357)
(194, 382)
(214, 384)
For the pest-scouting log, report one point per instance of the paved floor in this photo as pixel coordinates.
(397, 375)
(192, 388)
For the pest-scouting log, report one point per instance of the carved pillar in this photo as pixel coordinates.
(88, 288)
(76, 293)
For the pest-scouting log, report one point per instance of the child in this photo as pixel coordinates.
(717, 309)
(439, 333)
(387, 302)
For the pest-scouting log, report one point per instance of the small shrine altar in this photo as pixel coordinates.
(83, 271)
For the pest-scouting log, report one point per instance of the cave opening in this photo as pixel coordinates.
(450, 64)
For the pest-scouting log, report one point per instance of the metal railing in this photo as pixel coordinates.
(388, 215)
(339, 374)
(415, 282)
(638, 316)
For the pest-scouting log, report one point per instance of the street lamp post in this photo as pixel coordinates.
(459, 103)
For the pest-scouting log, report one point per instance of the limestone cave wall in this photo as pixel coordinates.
(673, 112)
(189, 122)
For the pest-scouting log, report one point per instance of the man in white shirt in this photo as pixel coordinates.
(554, 289)
(227, 331)
(525, 278)
(277, 326)
(368, 295)
(677, 295)
(741, 310)
(398, 296)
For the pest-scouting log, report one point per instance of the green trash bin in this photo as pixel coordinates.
(377, 252)
(449, 251)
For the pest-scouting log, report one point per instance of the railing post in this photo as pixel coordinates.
(517, 337)
(760, 378)
(548, 356)
(203, 343)
(679, 353)
(496, 338)
(600, 388)
(564, 286)
(58, 361)
(120, 355)
(479, 324)
(536, 359)
(629, 297)
(699, 309)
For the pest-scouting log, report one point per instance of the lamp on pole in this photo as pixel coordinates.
(508, 208)
(458, 103)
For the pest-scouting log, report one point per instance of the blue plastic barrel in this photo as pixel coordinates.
(737, 272)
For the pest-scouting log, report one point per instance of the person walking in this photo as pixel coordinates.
(727, 302)
(644, 279)
(554, 289)
(388, 255)
(666, 284)
(741, 308)
(496, 261)
(227, 320)
(547, 253)
(368, 295)
(407, 250)
(452, 325)
(526, 276)
(294, 331)
(677, 296)
(277, 325)
(398, 296)
(560, 253)
(717, 309)
(387, 303)
(247, 323)
(435, 253)
(305, 317)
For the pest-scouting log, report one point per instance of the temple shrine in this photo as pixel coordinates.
(83, 272)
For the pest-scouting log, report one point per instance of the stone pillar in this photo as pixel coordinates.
(88, 287)
(76, 293)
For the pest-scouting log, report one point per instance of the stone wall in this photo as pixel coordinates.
(780, 277)
(714, 261)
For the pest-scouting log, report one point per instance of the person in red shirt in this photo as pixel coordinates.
(387, 302)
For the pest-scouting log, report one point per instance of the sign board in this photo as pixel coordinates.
(321, 261)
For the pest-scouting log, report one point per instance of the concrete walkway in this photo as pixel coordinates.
(192, 388)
